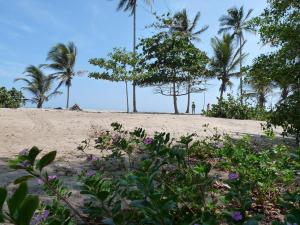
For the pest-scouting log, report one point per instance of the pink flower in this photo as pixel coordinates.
(52, 177)
(148, 141)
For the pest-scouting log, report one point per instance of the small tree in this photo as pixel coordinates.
(171, 60)
(11, 98)
(119, 66)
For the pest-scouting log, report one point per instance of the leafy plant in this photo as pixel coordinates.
(11, 98)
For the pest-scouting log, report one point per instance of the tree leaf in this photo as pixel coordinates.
(27, 209)
(34, 151)
(23, 179)
(46, 160)
(16, 199)
(3, 195)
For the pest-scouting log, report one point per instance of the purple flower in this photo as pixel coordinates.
(24, 152)
(237, 216)
(233, 176)
(116, 139)
(92, 158)
(39, 218)
(220, 145)
(52, 177)
(90, 173)
(40, 181)
(25, 163)
(148, 141)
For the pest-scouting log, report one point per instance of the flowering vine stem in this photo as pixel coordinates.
(62, 198)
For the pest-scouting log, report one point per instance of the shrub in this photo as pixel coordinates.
(11, 98)
(159, 181)
(287, 115)
(231, 108)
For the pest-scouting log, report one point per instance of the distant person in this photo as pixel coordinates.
(193, 108)
(208, 107)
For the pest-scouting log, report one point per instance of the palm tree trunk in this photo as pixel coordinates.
(127, 96)
(68, 95)
(222, 91)
(241, 76)
(189, 98)
(39, 104)
(134, 52)
(175, 98)
(284, 93)
(261, 100)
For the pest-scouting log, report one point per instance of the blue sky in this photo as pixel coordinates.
(29, 28)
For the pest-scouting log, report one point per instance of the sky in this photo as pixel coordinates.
(29, 28)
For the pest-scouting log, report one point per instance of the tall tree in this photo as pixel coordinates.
(279, 26)
(63, 59)
(225, 60)
(119, 66)
(238, 22)
(39, 85)
(182, 24)
(131, 5)
(260, 86)
(170, 60)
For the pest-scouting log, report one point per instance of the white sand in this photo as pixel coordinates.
(64, 130)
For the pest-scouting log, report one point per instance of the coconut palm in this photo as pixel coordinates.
(39, 85)
(63, 59)
(259, 89)
(182, 24)
(131, 5)
(225, 60)
(237, 21)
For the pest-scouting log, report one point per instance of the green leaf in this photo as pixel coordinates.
(102, 195)
(27, 209)
(3, 195)
(33, 153)
(23, 179)
(17, 198)
(138, 204)
(46, 160)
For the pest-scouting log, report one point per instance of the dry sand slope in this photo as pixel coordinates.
(63, 130)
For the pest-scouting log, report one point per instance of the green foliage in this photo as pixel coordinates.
(38, 85)
(225, 60)
(11, 98)
(165, 181)
(287, 115)
(231, 108)
(21, 206)
(279, 26)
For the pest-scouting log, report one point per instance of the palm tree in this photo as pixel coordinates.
(259, 90)
(63, 59)
(131, 5)
(39, 85)
(225, 60)
(238, 23)
(182, 24)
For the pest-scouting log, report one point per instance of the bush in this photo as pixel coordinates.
(11, 98)
(287, 115)
(231, 108)
(157, 180)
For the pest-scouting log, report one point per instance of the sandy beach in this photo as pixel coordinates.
(63, 130)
